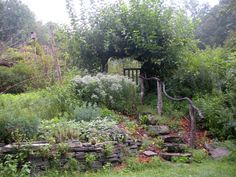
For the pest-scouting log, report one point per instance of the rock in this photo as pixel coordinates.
(175, 147)
(2, 144)
(134, 147)
(168, 155)
(217, 152)
(150, 118)
(158, 130)
(80, 155)
(171, 138)
(149, 153)
(96, 165)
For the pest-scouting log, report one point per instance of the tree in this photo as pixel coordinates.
(148, 31)
(16, 22)
(218, 23)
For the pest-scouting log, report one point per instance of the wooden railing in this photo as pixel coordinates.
(192, 108)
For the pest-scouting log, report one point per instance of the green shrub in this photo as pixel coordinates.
(199, 155)
(20, 121)
(58, 130)
(180, 159)
(95, 131)
(24, 111)
(9, 167)
(113, 91)
(219, 118)
(9, 77)
(86, 112)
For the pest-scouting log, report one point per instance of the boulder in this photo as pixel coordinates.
(217, 152)
(155, 130)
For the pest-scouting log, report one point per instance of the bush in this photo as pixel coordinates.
(199, 155)
(24, 111)
(99, 130)
(219, 118)
(113, 91)
(86, 112)
(24, 123)
(11, 76)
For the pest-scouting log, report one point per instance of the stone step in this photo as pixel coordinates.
(175, 147)
(168, 156)
(156, 130)
(171, 138)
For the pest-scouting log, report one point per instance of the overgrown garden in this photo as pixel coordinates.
(67, 109)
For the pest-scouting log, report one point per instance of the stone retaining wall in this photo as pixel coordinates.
(42, 155)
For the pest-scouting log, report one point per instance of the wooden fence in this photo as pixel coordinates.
(132, 73)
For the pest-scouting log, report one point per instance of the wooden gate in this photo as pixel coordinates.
(132, 73)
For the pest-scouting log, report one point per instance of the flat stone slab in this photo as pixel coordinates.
(155, 130)
(149, 153)
(168, 156)
(217, 152)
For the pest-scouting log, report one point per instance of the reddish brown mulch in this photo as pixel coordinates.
(144, 159)
(120, 167)
(201, 135)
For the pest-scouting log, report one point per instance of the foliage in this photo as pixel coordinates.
(180, 159)
(134, 165)
(23, 112)
(15, 75)
(86, 112)
(113, 91)
(143, 119)
(9, 167)
(108, 149)
(59, 130)
(29, 70)
(16, 21)
(115, 66)
(219, 118)
(145, 30)
(13, 124)
(199, 155)
(90, 158)
(217, 24)
(98, 130)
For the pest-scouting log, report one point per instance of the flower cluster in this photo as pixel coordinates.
(114, 91)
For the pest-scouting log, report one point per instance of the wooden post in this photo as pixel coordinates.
(56, 62)
(142, 90)
(159, 98)
(192, 127)
(132, 75)
(136, 76)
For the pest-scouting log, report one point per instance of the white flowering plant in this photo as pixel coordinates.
(113, 91)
